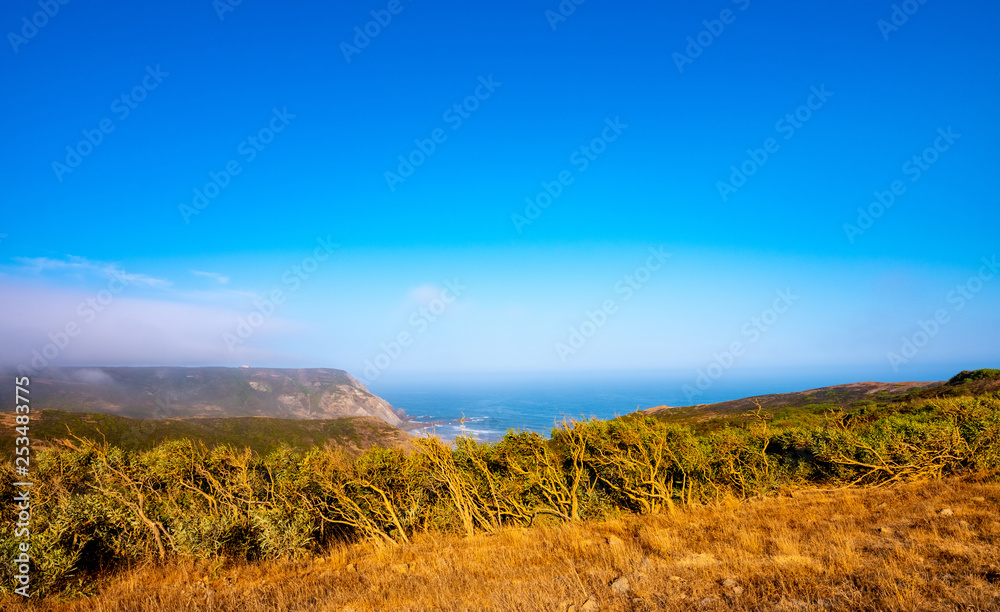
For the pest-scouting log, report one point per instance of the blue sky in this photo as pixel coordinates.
(615, 107)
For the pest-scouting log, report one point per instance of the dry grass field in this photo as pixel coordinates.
(919, 546)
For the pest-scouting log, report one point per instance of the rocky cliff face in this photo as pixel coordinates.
(167, 392)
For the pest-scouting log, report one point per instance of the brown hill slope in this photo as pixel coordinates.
(838, 395)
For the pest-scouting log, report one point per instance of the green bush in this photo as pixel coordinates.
(970, 375)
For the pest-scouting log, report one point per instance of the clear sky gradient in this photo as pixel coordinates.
(486, 186)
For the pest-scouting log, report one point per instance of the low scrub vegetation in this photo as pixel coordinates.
(97, 508)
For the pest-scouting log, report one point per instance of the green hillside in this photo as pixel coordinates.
(262, 434)
(812, 407)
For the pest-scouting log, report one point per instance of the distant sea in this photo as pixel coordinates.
(492, 407)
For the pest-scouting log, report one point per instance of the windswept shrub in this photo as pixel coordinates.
(553, 477)
(643, 463)
(892, 449)
(739, 462)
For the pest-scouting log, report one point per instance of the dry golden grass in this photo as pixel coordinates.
(861, 549)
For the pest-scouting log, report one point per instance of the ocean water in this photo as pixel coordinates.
(486, 409)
